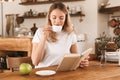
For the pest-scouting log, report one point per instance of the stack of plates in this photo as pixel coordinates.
(112, 56)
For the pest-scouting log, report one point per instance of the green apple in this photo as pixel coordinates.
(25, 68)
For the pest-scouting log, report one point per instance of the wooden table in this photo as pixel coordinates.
(93, 72)
(16, 44)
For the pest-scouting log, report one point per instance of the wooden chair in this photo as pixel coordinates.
(14, 62)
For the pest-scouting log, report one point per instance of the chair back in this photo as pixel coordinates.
(14, 62)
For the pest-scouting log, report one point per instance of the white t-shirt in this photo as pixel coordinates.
(54, 51)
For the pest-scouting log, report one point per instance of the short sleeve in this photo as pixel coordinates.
(37, 36)
(74, 38)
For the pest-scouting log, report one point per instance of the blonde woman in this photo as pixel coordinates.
(55, 39)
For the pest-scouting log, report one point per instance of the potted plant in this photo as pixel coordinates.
(101, 43)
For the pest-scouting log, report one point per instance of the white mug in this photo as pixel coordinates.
(56, 28)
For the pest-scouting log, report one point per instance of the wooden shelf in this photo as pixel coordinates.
(109, 10)
(32, 17)
(77, 14)
(46, 2)
(43, 16)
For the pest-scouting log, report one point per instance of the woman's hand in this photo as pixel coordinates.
(47, 30)
(85, 62)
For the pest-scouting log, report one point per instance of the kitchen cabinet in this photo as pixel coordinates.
(16, 44)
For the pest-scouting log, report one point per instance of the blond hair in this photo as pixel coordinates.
(67, 27)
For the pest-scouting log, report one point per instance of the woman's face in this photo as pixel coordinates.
(57, 17)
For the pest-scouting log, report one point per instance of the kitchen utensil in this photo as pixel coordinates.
(8, 24)
(118, 22)
(19, 20)
(56, 28)
(112, 23)
(117, 31)
(34, 28)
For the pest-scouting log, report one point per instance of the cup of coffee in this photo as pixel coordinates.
(56, 28)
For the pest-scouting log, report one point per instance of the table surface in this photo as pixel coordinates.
(110, 71)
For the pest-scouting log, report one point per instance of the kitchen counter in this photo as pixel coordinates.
(110, 71)
(16, 44)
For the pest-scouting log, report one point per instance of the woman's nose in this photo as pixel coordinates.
(57, 21)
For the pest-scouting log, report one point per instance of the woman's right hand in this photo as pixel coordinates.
(47, 30)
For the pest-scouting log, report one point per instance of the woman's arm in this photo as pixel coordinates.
(74, 48)
(38, 51)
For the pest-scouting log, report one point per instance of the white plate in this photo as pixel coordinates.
(45, 72)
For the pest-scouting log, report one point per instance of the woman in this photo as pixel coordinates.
(50, 45)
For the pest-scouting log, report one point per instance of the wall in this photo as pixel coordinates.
(89, 26)
(113, 3)
(103, 19)
(0, 20)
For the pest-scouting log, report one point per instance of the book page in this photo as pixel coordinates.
(71, 61)
(68, 61)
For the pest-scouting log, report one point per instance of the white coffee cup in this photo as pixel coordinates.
(56, 28)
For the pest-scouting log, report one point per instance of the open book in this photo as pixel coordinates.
(72, 61)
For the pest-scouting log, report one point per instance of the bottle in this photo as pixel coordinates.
(0, 63)
(30, 12)
(103, 58)
(34, 28)
(1, 69)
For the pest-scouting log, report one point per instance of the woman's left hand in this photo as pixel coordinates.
(85, 62)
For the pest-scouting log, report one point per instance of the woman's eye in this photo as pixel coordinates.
(61, 18)
(53, 17)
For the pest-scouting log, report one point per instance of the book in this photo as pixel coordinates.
(71, 61)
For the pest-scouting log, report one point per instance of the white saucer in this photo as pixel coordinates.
(45, 72)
